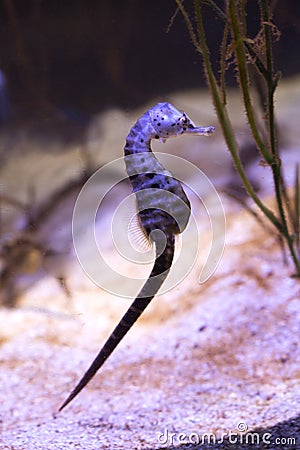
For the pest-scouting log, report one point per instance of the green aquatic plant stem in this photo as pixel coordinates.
(221, 108)
(239, 49)
(271, 82)
(240, 45)
(297, 208)
(271, 157)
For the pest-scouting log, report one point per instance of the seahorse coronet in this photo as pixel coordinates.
(168, 121)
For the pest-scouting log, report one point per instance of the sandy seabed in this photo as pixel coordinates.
(206, 362)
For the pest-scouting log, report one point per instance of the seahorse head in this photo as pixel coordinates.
(168, 121)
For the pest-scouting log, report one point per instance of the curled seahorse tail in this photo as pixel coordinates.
(157, 276)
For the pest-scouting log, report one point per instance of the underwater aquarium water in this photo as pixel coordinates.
(83, 57)
(216, 353)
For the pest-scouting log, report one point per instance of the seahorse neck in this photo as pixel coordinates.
(139, 137)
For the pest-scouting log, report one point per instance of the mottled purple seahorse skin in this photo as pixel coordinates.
(163, 211)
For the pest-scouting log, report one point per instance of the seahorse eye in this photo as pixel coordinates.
(184, 121)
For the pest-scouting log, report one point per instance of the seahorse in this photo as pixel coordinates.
(163, 211)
